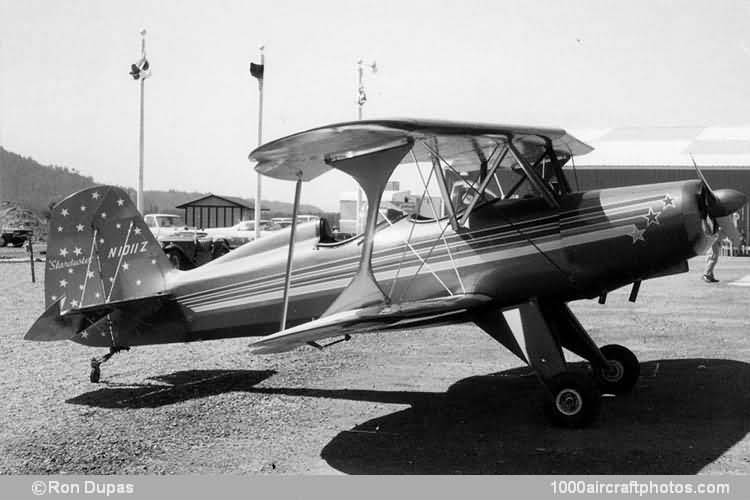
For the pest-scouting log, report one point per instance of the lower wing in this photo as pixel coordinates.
(368, 319)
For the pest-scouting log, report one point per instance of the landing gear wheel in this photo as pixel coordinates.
(95, 371)
(574, 400)
(623, 370)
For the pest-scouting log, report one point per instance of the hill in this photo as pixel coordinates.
(31, 185)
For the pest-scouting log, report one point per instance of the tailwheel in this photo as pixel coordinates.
(96, 363)
(622, 370)
(96, 372)
(574, 400)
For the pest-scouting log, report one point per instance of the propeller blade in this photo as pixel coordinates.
(700, 174)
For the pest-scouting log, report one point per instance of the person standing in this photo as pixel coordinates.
(726, 229)
(712, 257)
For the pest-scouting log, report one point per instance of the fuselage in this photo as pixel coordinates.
(512, 250)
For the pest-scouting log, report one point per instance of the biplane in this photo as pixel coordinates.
(506, 245)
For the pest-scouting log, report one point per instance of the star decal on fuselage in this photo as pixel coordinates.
(652, 217)
(637, 234)
(668, 201)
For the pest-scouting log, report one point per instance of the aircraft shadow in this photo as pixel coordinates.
(172, 388)
(683, 415)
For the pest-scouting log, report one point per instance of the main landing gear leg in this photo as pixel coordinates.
(616, 368)
(97, 362)
(573, 399)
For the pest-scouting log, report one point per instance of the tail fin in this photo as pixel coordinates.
(101, 251)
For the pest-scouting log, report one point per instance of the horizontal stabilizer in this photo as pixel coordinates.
(51, 325)
(367, 319)
(56, 324)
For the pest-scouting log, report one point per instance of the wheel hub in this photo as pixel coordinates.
(613, 372)
(569, 402)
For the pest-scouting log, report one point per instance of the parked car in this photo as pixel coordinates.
(239, 234)
(186, 247)
(164, 224)
(190, 249)
(15, 236)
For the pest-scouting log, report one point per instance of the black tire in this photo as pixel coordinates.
(574, 400)
(95, 372)
(18, 243)
(220, 248)
(623, 374)
(175, 259)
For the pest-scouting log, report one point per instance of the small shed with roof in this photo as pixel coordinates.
(217, 211)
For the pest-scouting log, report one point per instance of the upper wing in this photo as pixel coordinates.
(307, 154)
(367, 319)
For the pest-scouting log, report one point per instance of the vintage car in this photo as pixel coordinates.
(186, 247)
(239, 234)
(190, 249)
(15, 236)
(165, 224)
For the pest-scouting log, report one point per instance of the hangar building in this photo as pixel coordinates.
(642, 155)
(217, 211)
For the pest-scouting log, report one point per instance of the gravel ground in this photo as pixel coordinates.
(445, 400)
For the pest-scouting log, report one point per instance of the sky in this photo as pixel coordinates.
(66, 97)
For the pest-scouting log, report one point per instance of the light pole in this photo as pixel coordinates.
(361, 100)
(260, 136)
(139, 196)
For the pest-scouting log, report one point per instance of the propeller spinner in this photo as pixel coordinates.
(720, 202)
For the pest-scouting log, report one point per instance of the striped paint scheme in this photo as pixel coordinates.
(578, 227)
